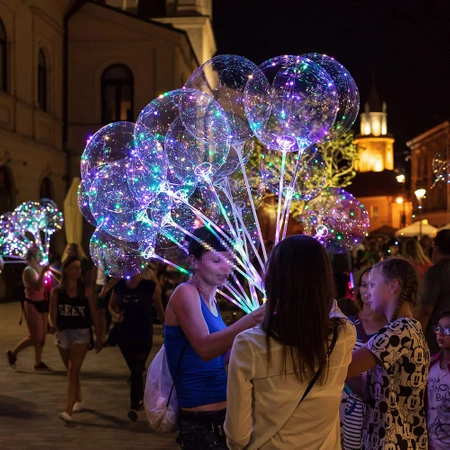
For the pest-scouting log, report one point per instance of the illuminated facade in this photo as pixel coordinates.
(436, 203)
(67, 67)
(375, 185)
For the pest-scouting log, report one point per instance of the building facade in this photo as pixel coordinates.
(375, 184)
(68, 67)
(430, 152)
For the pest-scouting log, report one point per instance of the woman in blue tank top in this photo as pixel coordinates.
(197, 339)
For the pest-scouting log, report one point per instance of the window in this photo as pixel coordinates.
(46, 189)
(6, 190)
(3, 59)
(42, 80)
(117, 94)
(375, 211)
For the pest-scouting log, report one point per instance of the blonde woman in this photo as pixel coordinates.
(412, 251)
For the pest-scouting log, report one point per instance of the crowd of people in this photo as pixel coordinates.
(304, 371)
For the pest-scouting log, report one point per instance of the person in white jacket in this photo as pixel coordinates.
(272, 365)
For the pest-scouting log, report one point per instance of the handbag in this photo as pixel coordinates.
(160, 398)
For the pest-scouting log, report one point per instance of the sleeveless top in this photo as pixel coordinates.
(136, 305)
(30, 293)
(72, 313)
(198, 382)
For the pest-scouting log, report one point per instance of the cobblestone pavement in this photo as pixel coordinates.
(31, 401)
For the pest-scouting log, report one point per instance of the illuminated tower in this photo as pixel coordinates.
(375, 144)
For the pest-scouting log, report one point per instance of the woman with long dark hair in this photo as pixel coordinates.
(72, 308)
(286, 376)
(197, 340)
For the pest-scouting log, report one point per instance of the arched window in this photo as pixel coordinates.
(42, 80)
(6, 190)
(46, 188)
(117, 94)
(3, 59)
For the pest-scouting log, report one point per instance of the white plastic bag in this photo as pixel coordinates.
(163, 417)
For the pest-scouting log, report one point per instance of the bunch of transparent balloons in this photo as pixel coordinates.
(148, 185)
(30, 225)
(440, 166)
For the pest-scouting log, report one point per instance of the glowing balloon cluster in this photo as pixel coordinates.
(439, 165)
(30, 225)
(146, 186)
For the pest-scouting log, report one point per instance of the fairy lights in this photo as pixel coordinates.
(148, 185)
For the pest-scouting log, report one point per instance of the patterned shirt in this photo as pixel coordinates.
(439, 407)
(394, 416)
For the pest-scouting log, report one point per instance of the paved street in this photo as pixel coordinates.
(30, 401)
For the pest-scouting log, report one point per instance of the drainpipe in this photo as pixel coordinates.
(77, 5)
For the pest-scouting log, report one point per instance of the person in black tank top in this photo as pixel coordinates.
(72, 309)
(131, 310)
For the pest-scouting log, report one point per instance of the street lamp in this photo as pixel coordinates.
(420, 194)
(402, 179)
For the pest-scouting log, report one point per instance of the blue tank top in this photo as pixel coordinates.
(198, 382)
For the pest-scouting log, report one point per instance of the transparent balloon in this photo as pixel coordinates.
(190, 159)
(336, 219)
(83, 203)
(439, 167)
(198, 111)
(114, 142)
(347, 90)
(117, 258)
(291, 103)
(112, 203)
(305, 100)
(148, 167)
(224, 77)
(52, 219)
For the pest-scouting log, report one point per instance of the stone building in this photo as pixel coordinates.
(68, 67)
(425, 148)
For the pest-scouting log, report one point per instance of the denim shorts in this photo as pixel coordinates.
(66, 338)
(202, 430)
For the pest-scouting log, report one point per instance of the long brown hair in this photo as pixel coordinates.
(358, 299)
(403, 271)
(412, 251)
(300, 293)
(63, 282)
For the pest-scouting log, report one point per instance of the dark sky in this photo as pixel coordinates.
(406, 43)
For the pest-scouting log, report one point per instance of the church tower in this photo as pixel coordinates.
(375, 144)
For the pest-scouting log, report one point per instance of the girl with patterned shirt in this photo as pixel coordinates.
(438, 390)
(397, 359)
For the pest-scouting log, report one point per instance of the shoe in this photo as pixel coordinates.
(11, 359)
(41, 366)
(132, 415)
(65, 416)
(78, 407)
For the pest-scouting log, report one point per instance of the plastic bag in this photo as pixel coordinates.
(162, 414)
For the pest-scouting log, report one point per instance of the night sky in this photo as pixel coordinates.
(405, 43)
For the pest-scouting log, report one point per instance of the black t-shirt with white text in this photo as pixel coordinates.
(72, 312)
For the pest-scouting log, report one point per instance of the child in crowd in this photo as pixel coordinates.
(438, 411)
(397, 360)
